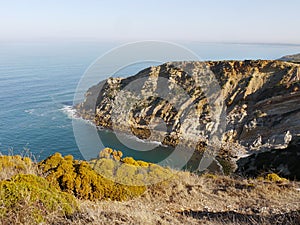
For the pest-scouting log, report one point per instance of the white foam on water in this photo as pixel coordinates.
(69, 111)
(72, 114)
(143, 141)
(38, 112)
(29, 111)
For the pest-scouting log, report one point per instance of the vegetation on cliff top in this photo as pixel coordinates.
(33, 197)
(79, 179)
(61, 190)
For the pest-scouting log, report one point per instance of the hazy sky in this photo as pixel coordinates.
(186, 20)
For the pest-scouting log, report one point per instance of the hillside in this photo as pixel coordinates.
(61, 190)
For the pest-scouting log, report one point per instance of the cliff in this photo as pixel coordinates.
(260, 99)
(291, 58)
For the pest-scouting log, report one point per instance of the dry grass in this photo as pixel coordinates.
(191, 199)
(186, 199)
(12, 164)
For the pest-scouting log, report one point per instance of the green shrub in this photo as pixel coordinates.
(105, 167)
(143, 164)
(78, 178)
(130, 161)
(34, 195)
(273, 177)
(210, 176)
(108, 177)
(129, 172)
(109, 153)
(227, 166)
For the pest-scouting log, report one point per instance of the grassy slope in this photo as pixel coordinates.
(191, 199)
(186, 199)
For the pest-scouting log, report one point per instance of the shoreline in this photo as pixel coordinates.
(124, 130)
(76, 114)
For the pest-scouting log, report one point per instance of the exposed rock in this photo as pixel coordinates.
(291, 58)
(284, 162)
(261, 103)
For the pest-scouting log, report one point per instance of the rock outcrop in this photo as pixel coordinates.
(284, 162)
(257, 100)
(291, 58)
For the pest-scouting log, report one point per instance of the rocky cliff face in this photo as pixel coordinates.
(260, 100)
(291, 58)
(282, 161)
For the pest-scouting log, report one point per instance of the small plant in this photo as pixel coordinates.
(210, 176)
(227, 166)
(130, 161)
(273, 177)
(109, 153)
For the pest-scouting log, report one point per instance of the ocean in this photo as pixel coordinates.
(38, 81)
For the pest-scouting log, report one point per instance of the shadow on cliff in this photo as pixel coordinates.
(284, 162)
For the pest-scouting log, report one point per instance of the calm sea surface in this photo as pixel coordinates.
(38, 81)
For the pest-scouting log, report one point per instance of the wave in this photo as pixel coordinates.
(138, 140)
(35, 112)
(69, 111)
(29, 111)
(41, 112)
(72, 114)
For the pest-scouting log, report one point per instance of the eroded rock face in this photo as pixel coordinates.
(260, 100)
(284, 162)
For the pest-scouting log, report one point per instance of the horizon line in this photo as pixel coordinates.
(97, 40)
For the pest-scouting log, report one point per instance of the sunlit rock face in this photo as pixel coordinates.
(257, 101)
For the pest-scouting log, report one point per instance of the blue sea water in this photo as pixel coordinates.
(38, 81)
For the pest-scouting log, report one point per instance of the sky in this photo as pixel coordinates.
(245, 21)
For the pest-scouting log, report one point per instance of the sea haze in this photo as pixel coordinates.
(38, 82)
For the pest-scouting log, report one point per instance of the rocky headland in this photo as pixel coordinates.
(254, 108)
(291, 58)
